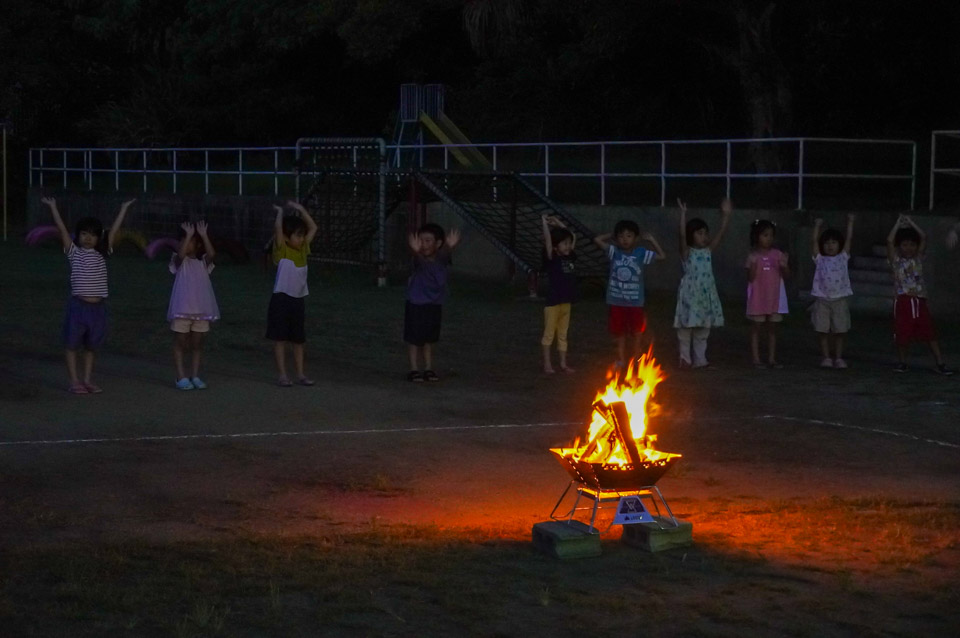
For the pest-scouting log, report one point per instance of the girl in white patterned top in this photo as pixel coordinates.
(831, 287)
(85, 325)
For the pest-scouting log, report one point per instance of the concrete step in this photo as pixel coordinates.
(870, 263)
(879, 250)
(869, 289)
(872, 276)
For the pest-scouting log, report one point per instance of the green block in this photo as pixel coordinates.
(650, 537)
(566, 539)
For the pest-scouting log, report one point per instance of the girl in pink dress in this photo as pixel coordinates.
(766, 295)
(193, 305)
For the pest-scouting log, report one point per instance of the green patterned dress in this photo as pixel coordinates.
(698, 304)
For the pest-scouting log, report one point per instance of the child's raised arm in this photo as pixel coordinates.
(684, 249)
(278, 236)
(952, 236)
(726, 209)
(189, 229)
(547, 241)
(209, 253)
(453, 238)
(65, 238)
(413, 240)
(115, 228)
(891, 248)
(815, 240)
(603, 241)
(849, 241)
(307, 219)
(648, 237)
(923, 236)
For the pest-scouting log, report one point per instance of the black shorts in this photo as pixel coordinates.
(421, 323)
(285, 318)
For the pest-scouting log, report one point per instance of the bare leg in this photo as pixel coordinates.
(902, 354)
(825, 345)
(427, 357)
(563, 362)
(935, 349)
(298, 349)
(547, 365)
(88, 357)
(621, 349)
(71, 356)
(413, 351)
(196, 344)
(280, 354)
(772, 341)
(839, 346)
(180, 344)
(637, 345)
(755, 342)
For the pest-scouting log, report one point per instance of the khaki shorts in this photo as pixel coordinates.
(774, 318)
(830, 315)
(190, 325)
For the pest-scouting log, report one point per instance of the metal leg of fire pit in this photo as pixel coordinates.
(597, 496)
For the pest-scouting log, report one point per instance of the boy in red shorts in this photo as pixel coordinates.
(625, 295)
(905, 250)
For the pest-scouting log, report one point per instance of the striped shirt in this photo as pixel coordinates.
(88, 272)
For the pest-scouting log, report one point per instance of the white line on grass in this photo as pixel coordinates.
(503, 426)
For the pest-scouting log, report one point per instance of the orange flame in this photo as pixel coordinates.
(635, 388)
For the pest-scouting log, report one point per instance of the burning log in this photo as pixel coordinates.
(621, 420)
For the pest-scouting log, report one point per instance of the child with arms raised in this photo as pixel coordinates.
(906, 246)
(426, 292)
(831, 287)
(192, 302)
(85, 325)
(286, 319)
(625, 294)
(766, 294)
(558, 243)
(698, 304)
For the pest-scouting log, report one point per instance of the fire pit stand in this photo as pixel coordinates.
(649, 493)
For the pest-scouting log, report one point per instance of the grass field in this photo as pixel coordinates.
(824, 503)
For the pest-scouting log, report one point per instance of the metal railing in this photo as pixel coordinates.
(274, 166)
(941, 170)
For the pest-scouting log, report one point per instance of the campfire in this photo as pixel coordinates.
(617, 453)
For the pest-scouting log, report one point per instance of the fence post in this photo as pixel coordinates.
(603, 174)
(240, 174)
(546, 170)
(206, 172)
(174, 171)
(728, 170)
(41, 168)
(116, 170)
(64, 170)
(800, 178)
(913, 178)
(144, 171)
(663, 174)
(276, 186)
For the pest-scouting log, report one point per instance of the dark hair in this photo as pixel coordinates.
(293, 224)
(626, 224)
(434, 229)
(93, 226)
(201, 248)
(828, 234)
(558, 235)
(757, 227)
(693, 226)
(906, 234)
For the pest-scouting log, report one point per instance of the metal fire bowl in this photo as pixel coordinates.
(602, 477)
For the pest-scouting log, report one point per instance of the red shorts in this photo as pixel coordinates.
(911, 320)
(622, 320)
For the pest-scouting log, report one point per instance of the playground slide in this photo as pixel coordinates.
(447, 132)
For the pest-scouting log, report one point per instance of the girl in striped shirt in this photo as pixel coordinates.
(85, 325)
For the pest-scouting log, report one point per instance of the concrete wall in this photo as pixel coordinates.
(248, 219)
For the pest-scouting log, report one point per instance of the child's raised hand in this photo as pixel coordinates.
(818, 222)
(453, 237)
(49, 201)
(278, 209)
(851, 217)
(952, 238)
(647, 236)
(125, 205)
(726, 206)
(202, 228)
(187, 227)
(413, 239)
(682, 204)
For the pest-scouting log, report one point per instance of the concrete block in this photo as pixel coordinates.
(650, 537)
(566, 539)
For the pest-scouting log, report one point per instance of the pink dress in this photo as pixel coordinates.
(766, 294)
(192, 297)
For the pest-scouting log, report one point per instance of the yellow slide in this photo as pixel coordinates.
(447, 132)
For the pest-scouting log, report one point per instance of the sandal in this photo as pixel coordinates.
(284, 382)
(93, 389)
(415, 376)
(306, 381)
(430, 375)
(78, 388)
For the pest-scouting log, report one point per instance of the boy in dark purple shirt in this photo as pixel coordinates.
(426, 292)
